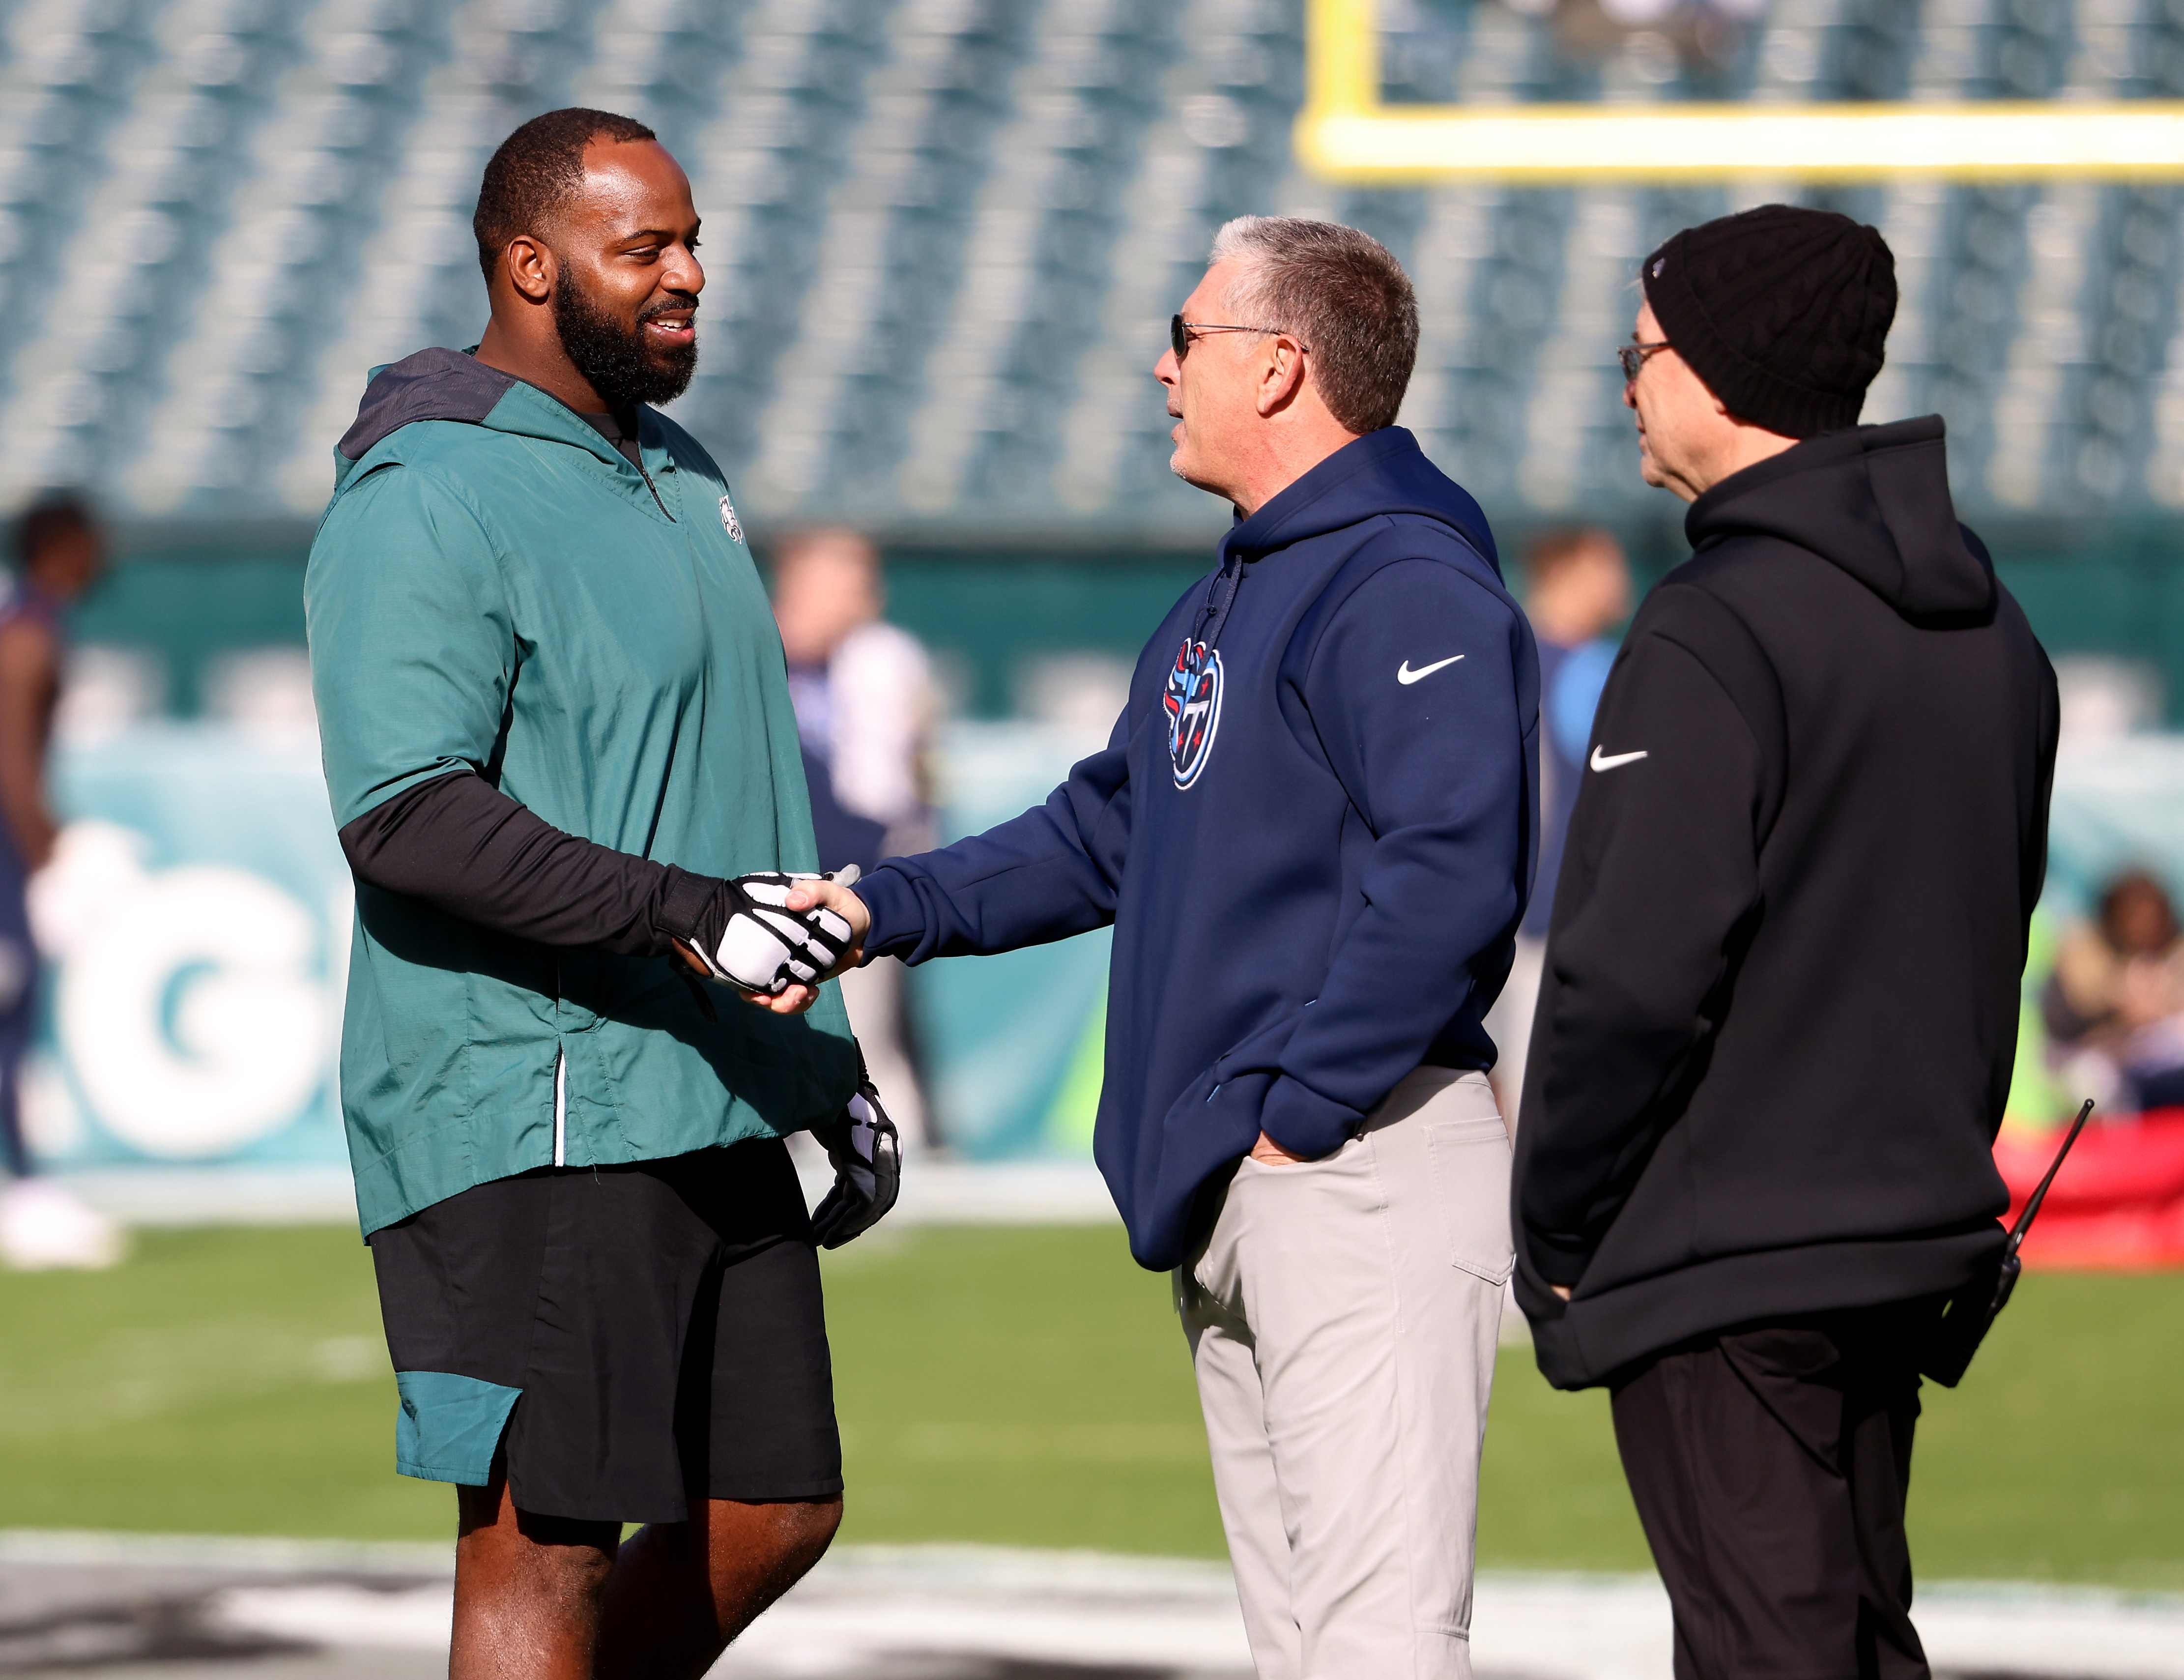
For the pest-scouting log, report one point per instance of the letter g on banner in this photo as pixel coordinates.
(188, 1011)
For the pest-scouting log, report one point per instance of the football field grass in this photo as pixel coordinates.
(1021, 1386)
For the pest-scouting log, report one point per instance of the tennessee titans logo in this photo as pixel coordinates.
(1193, 701)
(729, 522)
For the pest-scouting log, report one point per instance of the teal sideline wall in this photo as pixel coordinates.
(1013, 1042)
(2115, 587)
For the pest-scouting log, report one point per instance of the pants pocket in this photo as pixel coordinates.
(1469, 1161)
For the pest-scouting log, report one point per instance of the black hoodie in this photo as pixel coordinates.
(1781, 999)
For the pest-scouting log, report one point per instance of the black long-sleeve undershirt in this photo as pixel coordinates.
(463, 847)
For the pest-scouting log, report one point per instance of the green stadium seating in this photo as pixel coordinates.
(944, 236)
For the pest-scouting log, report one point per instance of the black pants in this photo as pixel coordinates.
(657, 1328)
(1769, 1467)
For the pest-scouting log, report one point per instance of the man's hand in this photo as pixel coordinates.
(822, 895)
(774, 956)
(1272, 1154)
(1560, 1289)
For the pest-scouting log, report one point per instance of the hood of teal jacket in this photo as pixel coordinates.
(444, 384)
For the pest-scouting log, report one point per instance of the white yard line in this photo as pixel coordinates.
(91, 1548)
(865, 1605)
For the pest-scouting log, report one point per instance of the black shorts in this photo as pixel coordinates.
(633, 1337)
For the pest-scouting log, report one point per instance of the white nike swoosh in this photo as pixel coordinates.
(1601, 760)
(1404, 673)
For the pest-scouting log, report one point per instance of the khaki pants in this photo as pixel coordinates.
(1342, 1316)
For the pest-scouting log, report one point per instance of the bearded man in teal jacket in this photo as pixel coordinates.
(556, 723)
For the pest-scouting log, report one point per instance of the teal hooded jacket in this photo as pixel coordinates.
(494, 590)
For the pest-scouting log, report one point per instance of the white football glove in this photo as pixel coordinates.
(867, 1150)
(765, 947)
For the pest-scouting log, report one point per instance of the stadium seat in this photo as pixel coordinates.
(944, 236)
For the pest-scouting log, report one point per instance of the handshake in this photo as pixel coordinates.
(745, 935)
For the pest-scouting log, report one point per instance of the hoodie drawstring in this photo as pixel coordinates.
(1214, 613)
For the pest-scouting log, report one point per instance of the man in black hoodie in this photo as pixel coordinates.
(1781, 999)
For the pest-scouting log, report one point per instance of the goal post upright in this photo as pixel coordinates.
(1346, 133)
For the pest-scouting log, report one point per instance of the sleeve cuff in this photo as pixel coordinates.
(1555, 1263)
(898, 924)
(1304, 1123)
(681, 904)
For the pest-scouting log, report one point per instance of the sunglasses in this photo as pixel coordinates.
(1633, 357)
(1180, 332)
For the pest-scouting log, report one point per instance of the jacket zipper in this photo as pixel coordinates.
(655, 488)
(560, 1107)
(561, 1079)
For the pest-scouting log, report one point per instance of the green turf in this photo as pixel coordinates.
(1025, 1386)
(1021, 1388)
(220, 1382)
(2061, 1458)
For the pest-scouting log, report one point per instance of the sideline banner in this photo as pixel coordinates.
(195, 929)
(1014, 1045)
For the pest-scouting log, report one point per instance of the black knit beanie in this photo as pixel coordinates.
(1781, 312)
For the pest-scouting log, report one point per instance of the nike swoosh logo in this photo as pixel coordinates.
(1405, 676)
(1602, 760)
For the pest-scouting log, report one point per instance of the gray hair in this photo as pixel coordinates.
(1342, 295)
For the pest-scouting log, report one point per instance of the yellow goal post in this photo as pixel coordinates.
(1345, 132)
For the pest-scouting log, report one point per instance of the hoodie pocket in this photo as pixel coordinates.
(1259, 1052)
(1469, 1161)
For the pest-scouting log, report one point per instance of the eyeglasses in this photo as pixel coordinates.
(1633, 357)
(1181, 332)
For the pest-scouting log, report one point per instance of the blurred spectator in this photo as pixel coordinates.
(1577, 588)
(59, 553)
(2115, 1006)
(864, 696)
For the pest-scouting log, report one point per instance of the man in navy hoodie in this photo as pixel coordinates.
(1313, 831)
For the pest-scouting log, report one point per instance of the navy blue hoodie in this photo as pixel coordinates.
(1314, 831)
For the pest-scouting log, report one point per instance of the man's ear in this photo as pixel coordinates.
(1281, 376)
(531, 267)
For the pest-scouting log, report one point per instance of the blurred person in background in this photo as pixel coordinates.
(1782, 993)
(1313, 831)
(2114, 1005)
(864, 709)
(59, 553)
(1577, 588)
(554, 721)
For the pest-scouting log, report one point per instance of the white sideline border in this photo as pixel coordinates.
(1091, 1607)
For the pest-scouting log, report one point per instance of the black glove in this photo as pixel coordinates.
(742, 934)
(867, 1150)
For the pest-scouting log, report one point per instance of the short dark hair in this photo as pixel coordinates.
(1345, 298)
(538, 169)
(56, 514)
(2117, 896)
